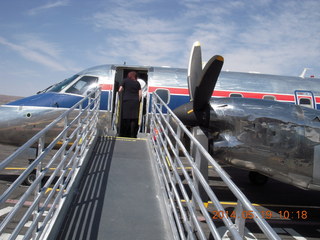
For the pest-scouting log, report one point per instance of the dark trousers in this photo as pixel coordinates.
(129, 128)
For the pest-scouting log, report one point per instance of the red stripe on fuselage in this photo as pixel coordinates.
(220, 93)
(176, 91)
(105, 87)
(279, 97)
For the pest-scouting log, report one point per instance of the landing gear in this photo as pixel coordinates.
(257, 178)
(32, 176)
(30, 179)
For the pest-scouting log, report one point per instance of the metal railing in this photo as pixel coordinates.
(35, 211)
(184, 202)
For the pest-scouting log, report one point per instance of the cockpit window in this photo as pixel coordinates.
(83, 85)
(61, 85)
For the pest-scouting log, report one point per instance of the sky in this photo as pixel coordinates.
(45, 41)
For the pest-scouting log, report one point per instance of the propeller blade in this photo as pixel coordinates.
(194, 69)
(201, 84)
(208, 80)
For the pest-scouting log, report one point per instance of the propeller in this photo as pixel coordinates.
(201, 84)
(194, 69)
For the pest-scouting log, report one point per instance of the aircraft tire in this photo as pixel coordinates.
(30, 179)
(257, 178)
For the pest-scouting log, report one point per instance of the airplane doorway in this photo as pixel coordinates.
(120, 74)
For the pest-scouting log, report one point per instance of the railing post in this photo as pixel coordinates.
(79, 133)
(38, 188)
(178, 132)
(200, 160)
(84, 131)
(63, 153)
(110, 99)
(240, 218)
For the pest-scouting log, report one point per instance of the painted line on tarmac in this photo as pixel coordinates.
(127, 139)
(5, 210)
(264, 205)
(15, 201)
(270, 205)
(26, 203)
(294, 234)
(20, 168)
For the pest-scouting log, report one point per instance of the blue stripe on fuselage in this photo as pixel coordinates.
(58, 100)
(50, 99)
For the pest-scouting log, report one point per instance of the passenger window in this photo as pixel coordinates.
(164, 94)
(235, 95)
(269, 97)
(83, 85)
(306, 102)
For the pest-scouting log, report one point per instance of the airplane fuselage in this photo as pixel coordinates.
(258, 116)
(295, 90)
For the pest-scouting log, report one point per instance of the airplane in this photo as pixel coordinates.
(267, 124)
(269, 138)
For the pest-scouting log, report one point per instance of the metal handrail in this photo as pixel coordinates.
(166, 131)
(78, 132)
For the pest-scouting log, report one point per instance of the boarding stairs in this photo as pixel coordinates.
(108, 187)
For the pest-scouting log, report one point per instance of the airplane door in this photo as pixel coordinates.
(121, 72)
(305, 98)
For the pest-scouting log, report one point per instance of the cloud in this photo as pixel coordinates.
(60, 3)
(140, 36)
(37, 51)
(265, 36)
(281, 41)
